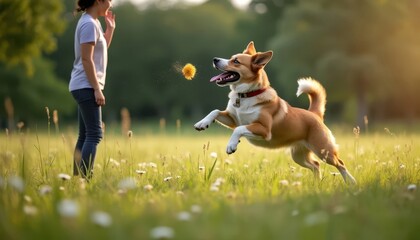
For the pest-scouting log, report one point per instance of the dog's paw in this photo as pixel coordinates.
(231, 147)
(202, 125)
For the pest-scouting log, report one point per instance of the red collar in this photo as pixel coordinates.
(251, 94)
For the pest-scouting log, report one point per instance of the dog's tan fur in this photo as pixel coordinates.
(268, 121)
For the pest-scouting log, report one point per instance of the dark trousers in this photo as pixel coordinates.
(90, 131)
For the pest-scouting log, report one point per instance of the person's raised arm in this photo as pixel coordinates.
(110, 27)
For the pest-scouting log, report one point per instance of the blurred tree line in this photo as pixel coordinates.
(364, 51)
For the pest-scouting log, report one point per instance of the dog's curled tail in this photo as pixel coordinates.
(316, 93)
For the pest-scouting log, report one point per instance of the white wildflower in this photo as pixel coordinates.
(298, 175)
(316, 218)
(148, 187)
(412, 187)
(68, 208)
(196, 208)
(335, 173)
(228, 162)
(213, 154)
(201, 168)
(140, 172)
(44, 190)
(30, 210)
(284, 182)
(162, 232)
(296, 183)
(101, 218)
(183, 216)
(127, 183)
(214, 188)
(114, 162)
(152, 165)
(17, 183)
(27, 198)
(167, 179)
(64, 176)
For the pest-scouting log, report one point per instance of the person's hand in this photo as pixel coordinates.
(99, 97)
(110, 20)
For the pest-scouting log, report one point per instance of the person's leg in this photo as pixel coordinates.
(91, 117)
(79, 145)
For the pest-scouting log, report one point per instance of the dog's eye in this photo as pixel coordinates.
(236, 61)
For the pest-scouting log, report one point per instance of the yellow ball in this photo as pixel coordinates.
(189, 71)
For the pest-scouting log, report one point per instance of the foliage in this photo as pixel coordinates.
(31, 94)
(253, 194)
(361, 50)
(28, 29)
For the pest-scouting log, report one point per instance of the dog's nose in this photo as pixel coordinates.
(216, 60)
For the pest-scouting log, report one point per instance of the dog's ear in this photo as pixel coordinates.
(250, 49)
(261, 59)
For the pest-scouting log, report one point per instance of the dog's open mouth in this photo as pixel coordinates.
(225, 77)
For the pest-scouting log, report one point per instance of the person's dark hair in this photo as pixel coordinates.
(82, 5)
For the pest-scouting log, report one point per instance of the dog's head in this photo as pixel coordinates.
(245, 68)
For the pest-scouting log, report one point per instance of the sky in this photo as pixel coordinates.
(238, 3)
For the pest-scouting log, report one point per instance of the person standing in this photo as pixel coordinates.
(88, 78)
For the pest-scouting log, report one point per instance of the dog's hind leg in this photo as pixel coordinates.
(329, 155)
(305, 158)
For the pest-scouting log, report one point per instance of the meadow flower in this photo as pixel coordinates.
(27, 199)
(183, 216)
(148, 187)
(189, 71)
(335, 173)
(44, 190)
(167, 179)
(30, 210)
(140, 172)
(201, 168)
(412, 187)
(101, 218)
(162, 232)
(316, 218)
(402, 166)
(17, 183)
(213, 154)
(68, 208)
(228, 162)
(114, 162)
(64, 176)
(196, 208)
(179, 193)
(127, 183)
(296, 183)
(214, 188)
(339, 209)
(129, 134)
(284, 182)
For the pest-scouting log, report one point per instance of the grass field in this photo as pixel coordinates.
(184, 186)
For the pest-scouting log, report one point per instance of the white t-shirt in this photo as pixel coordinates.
(89, 30)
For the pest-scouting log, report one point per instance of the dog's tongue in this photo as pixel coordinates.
(220, 76)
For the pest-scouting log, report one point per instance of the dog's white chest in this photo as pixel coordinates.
(244, 110)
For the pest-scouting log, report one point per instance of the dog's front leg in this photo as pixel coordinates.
(223, 117)
(205, 122)
(236, 135)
